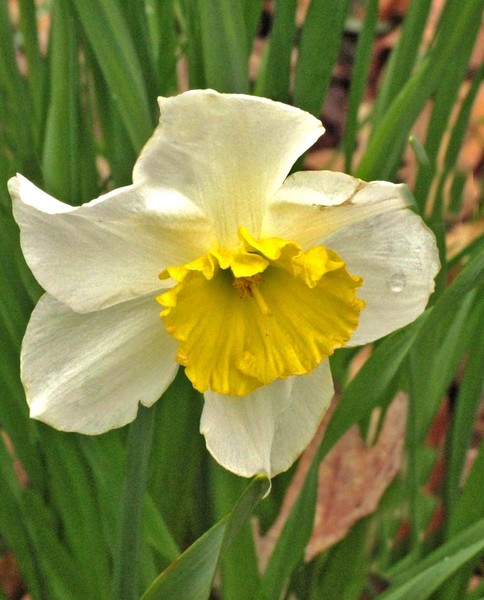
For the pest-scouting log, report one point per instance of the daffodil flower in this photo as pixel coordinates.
(216, 260)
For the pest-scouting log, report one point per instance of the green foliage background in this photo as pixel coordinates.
(91, 100)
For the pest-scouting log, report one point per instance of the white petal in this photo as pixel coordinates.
(228, 153)
(313, 204)
(109, 250)
(266, 431)
(397, 256)
(88, 372)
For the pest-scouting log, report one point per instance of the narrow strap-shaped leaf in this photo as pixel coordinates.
(468, 508)
(15, 525)
(225, 52)
(459, 130)
(177, 435)
(117, 145)
(373, 382)
(60, 156)
(60, 577)
(443, 104)
(111, 43)
(384, 150)
(125, 586)
(252, 15)
(165, 38)
(318, 51)
(15, 309)
(239, 572)
(188, 18)
(157, 533)
(75, 504)
(425, 578)
(290, 547)
(465, 411)
(15, 110)
(136, 19)
(402, 58)
(436, 355)
(37, 72)
(190, 576)
(273, 80)
(359, 76)
(343, 574)
(429, 377)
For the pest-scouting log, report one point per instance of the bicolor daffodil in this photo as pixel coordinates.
(217, 260)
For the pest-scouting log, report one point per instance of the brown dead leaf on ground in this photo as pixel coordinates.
(352, 480)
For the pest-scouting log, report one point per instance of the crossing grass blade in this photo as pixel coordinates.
(432, 373)
(190, 576)
(455, 143)
(467, 508)
(239, 573)
(425, 578)
(402, 59)
(443, 103)
(382, 156)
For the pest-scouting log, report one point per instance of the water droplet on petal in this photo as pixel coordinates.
(397, 282)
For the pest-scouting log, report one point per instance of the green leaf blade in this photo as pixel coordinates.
(190, 576)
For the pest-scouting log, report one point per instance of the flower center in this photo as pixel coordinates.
(267, 310)
(249, 286)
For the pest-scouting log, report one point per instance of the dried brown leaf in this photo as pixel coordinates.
(352, 480)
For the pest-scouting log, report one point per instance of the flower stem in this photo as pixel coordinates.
(126, 568)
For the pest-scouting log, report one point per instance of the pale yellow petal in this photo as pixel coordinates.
(228, 153)
(110, 250)
(89, 372)
(396, 255)
(266, 431)
(313, 204)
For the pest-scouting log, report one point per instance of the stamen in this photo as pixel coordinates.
(249, 287)
(261, 303)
